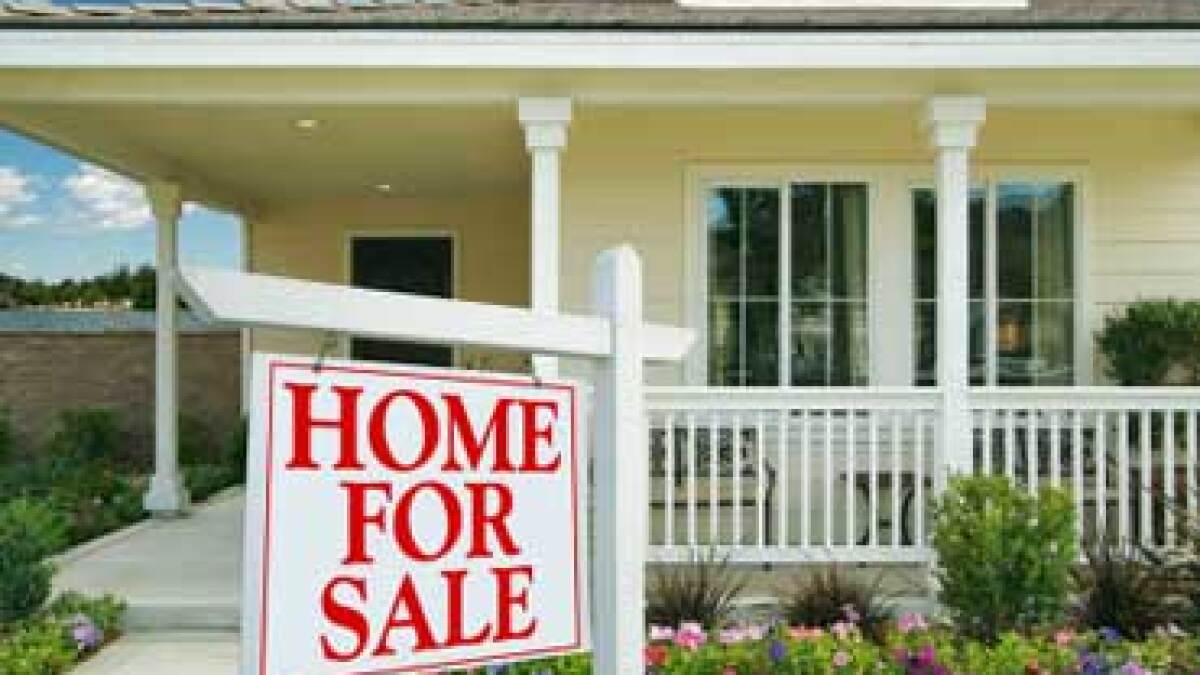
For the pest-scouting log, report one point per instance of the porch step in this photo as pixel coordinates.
(183, 617)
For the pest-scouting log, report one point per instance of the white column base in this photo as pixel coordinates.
(166, 498)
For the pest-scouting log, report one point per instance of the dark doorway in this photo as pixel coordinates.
(421, 265)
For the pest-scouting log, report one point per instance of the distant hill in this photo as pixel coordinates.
(123, 288)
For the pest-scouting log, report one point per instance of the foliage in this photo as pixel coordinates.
(28, 533)
(135, 286)
(825, 597)
(1004, 556)
(235, 452)
(911, 647)
(703, 590)
(70, 629)
(96, 500)
(7, 440)
(1155, 342)
(196, 443)
(1120, 591)
(83, 436)
(205, 480)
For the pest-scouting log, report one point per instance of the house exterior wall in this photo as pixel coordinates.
(631, 174)
(47, 373)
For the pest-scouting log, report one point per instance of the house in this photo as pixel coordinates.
(807, 187)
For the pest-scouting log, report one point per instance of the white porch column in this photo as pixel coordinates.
(166, 495)
(953, 123)
(545, 121)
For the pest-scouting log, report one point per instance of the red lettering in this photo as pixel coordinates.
(414, 619)
(507, 599)
(483, 519)
(303, 425)
(345, 617)
(378, 431)
(456, 617)
(403, 523)
(459, 427)
(534, 434)
(357, 520)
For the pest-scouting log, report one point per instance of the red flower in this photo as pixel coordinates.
(656, 655)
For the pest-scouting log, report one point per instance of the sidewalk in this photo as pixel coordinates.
(188, 653)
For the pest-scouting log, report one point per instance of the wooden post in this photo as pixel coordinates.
(621, 470)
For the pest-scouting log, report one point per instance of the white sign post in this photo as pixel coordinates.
(393, 525)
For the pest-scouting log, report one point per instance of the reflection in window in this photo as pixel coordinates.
(1034, 294)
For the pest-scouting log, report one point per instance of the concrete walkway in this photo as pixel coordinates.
(182, 581)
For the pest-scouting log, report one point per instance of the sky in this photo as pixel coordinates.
(61, 217)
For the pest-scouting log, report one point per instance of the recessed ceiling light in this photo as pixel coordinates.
(307, 124)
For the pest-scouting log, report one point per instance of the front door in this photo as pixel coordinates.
(423, 265)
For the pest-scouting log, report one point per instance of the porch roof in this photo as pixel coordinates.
(586, 14)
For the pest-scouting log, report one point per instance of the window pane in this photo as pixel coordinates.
(1054, 343)
(724, 330)
(978, 338)
(762, 344)
(1014, 239)
(848, 344)
(925, 243)
(925, 329)
(724, 242)
(977, 214)
(809, 244)
(1055, 249)
(848, 241)
(1014, 345)
(762, 242)
(810, 344)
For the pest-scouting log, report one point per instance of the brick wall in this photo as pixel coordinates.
(43, 373)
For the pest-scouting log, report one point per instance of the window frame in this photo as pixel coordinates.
(704, 179)
(989, 179)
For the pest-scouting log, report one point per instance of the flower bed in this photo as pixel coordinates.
(911, 646)
(58, 637)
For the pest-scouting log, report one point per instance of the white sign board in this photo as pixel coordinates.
(404, 519)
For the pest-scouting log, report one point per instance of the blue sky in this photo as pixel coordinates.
(60, 217)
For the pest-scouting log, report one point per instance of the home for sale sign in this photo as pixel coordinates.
(406, 519)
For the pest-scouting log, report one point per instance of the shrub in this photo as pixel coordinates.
(196, 442)
(703, 590)
(826, 597)
(205, 480)
(1004, 556)
(28, 533)
(85, 435)
(7, 439)
(1155, 342)
(236, 450)
(55, 640)
(96, 501)
(1116, 590)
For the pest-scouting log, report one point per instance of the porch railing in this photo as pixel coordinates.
(810, 475)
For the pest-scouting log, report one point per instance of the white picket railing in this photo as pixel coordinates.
(797, 474)
(810, 475)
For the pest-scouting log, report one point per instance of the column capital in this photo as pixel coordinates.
(954, 121)
(166, 201)
(545, 121)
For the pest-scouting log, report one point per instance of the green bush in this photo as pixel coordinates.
(205, 480)
(703, 590)
(826, 597)
(28, 533)
(85, 435)
(96, 500)
(7, 440)
(1004, 556)
(196, 443)
(49, 644)
(236, 450)
(1155, 342)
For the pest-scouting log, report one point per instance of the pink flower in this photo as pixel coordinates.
(841, 659)
(911, 621)
(843, 630)
(850, 613)
(729, 670)
(690, 636)
(661, 633)
(1064, 637)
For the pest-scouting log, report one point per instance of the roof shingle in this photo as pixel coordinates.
(589, 14)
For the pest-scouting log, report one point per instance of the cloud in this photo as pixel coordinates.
(16, 193)
(98, 199)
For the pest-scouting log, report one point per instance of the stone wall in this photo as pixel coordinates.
(43, 373)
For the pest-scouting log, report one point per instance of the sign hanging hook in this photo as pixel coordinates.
(328, 343)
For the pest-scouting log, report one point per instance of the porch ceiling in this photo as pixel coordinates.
(246, 158)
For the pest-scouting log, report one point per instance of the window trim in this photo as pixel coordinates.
(885, 230)
(989, 177)
(701, 180)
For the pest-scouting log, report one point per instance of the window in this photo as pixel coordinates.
(787, 274)
(1022, 293)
